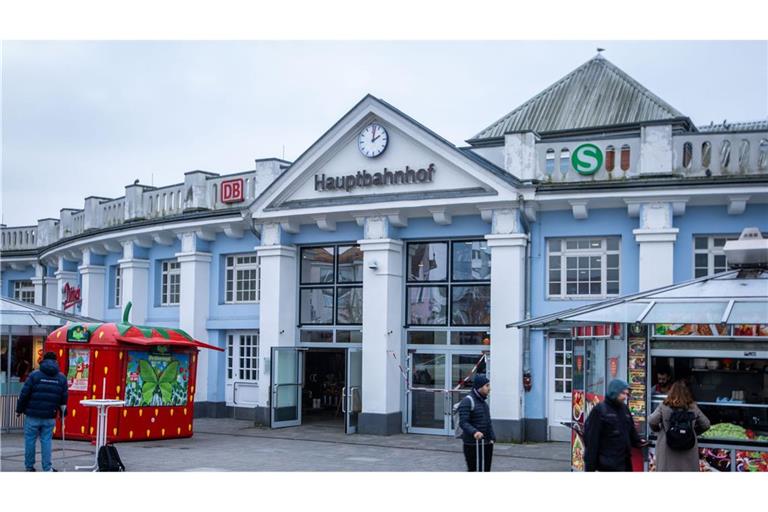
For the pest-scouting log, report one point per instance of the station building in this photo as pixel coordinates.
(364, 283)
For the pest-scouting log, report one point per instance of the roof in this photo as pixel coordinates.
(744, 126)
(731, 297)
(595, 94)
(16, 312)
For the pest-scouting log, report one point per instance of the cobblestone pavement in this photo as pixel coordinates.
(232, 445)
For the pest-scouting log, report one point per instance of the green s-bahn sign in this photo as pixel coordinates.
(587, 159)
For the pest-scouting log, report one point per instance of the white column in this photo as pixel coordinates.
(63, 277)
(507, 245)
(92, 287)
(194, 300)
(134, 283)
(382, 330)
(277, 313)
(656, 237)
(39, 282)
(51, 292)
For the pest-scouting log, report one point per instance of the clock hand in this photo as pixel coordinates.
(373, 133)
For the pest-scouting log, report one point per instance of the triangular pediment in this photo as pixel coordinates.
(416, 166)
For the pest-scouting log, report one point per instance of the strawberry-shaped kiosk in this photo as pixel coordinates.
(153, 369)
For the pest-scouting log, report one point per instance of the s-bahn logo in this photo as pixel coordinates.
(587, 159)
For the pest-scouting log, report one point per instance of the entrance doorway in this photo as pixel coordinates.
(437, 381)
(322, 386)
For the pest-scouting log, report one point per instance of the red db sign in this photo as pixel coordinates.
(232, 191)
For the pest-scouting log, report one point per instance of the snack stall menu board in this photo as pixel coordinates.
(577, 407)
(637, 364)
(77, 372)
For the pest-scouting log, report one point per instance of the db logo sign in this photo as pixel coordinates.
(232, 191)
(587, 159)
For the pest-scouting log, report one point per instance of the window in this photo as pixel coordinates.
(117, 287)
(243, 357)
(583, 267)
(708, 255)
(171, 283)
(562, 353)
(330, 292)
(24, 291)
(449, 286)
(610, 158)
(242, 279)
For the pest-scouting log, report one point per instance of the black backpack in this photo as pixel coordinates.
(681, 435)
(109, 459)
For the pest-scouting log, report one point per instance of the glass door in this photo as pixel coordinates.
(287, 371)
(463, 370)
(242, 369)
(353, 395)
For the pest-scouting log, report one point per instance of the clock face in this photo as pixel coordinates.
(372, 141)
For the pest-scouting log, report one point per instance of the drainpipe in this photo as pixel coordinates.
(527, 302)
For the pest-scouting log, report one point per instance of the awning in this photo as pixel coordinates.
(165, 341)
(732, 297)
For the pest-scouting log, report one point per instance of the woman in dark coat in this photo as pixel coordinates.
(609, 433)
(667, 459)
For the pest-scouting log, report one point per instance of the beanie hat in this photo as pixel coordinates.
(479, 381)
(615, 387)
(50, 355)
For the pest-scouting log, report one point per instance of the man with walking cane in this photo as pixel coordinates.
(475, 424)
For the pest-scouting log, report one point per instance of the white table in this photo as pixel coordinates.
(101, 405)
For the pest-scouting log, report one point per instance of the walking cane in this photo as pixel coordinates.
(479, 456)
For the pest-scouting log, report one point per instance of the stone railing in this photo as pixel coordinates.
(19, 238)
(720, 154)
(200, 191)
(612, 159)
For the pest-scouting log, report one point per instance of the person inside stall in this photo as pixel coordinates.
(663, 381)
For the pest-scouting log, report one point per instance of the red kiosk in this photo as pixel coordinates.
(152, 369)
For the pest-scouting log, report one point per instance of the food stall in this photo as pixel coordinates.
(153, 369)
(711, 332)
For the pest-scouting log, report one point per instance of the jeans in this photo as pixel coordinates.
(34, 428)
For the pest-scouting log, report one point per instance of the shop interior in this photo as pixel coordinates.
(19, 356)
(731, 392)
(324, 379)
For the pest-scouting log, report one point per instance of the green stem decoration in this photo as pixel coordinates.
(126, 311)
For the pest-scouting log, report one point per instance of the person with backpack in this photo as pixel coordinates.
(474, 424)
(42, 397)
(610, 433)
(678, 421)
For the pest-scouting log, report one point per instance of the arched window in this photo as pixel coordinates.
(762, 158)
(565, 160)
(215, 195)
(624, 163)
(549, 164)
(706, 155)
(610, 158)
(744, 156)
(247, 190)
(687, 155)
(725, 155)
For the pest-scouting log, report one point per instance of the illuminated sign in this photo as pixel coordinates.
(71, 295)
(365, 179)
(232, 191)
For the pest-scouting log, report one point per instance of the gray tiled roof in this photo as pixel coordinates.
(761, 125)
(595, 94)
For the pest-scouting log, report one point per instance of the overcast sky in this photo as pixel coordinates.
(83, 119)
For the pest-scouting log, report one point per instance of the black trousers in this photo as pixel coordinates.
(470, 455)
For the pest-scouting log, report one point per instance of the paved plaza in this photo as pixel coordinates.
(232, 445)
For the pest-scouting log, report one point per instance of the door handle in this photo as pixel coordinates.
(344, 400)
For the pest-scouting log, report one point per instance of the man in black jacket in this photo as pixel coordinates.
(475, 423)
(42, 397)
(609, 433)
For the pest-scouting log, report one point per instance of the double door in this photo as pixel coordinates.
(436, 381)
(287, 383)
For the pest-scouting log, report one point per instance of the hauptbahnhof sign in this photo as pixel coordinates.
(365, 179)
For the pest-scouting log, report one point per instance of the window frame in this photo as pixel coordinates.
(117, 287)
(234, 283)
(169, 268)
(335, 285)
(448, 284)
(564, 253)
(23, 287)
(711, 251)
(554, 379)
(235, 370)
